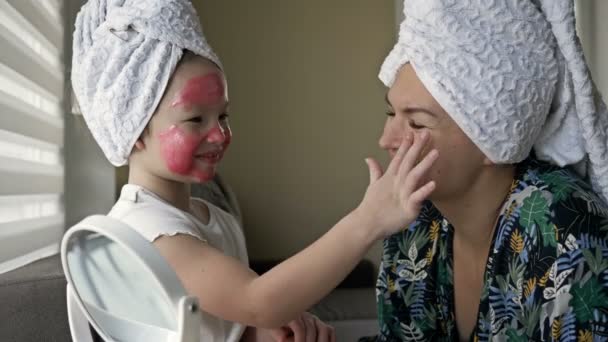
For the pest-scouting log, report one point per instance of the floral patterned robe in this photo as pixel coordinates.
(546, 277)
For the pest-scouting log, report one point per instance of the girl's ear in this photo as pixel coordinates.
(139, 144)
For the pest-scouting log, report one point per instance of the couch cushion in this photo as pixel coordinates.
(347, 304)
(34, 303)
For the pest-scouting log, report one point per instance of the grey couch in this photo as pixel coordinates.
(33, 299)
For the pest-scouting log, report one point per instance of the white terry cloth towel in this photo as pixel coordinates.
(125, 52)
(512, 75)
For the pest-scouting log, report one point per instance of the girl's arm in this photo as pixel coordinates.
(228, 289)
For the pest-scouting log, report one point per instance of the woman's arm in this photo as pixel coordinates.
(307, 327)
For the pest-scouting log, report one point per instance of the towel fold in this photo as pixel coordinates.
(124, 53)
(512, 75)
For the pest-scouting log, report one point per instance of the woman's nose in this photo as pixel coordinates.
(393, 134)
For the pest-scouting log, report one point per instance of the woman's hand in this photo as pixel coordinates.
(393, 199)
(306, 328)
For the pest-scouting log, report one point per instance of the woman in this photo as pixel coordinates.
(512, 244)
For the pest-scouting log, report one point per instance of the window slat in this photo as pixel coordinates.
(19, 26)
(20, 183)
(30, 65)
(21, 208)
(32, 120)
(21, 118)
(23, 148)
(45, 17)
(29, 240)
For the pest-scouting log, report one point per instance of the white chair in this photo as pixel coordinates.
(120, 284)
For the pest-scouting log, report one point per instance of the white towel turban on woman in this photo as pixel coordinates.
(512, 75)
(124, 54)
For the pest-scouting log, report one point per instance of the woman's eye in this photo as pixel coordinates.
(416, 126)
(390, 113)
(224, 117)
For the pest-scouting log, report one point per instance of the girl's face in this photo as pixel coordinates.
(189, 132)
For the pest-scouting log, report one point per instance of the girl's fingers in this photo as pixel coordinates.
(419, 196)
(413, 178)
(395, 163)
(413, 153)
(375, 170)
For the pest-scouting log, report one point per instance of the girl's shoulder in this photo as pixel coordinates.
(151, 216)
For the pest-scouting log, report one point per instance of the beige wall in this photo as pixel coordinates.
(306, 109)
(593, 29)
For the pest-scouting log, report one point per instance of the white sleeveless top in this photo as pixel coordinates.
(152, 217)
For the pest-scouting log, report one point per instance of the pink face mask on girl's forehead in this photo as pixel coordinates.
(203, 91)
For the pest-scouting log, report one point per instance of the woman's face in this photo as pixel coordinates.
(189, 132)
(413, 110)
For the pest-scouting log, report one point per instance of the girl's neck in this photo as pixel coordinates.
(174, 192)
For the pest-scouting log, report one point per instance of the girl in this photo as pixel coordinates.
(154, 96)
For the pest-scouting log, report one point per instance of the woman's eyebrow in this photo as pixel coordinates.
(413, 109)
(408, 109)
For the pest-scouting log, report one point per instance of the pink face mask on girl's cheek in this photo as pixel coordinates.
(179, 150)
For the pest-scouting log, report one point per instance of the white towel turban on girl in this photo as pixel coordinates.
(512, 75)
(124, 54)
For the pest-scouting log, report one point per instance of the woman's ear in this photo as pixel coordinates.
(487, 162)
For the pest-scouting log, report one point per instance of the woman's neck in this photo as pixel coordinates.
(173, 192)
(474, 213)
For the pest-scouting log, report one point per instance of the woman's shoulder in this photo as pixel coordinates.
(557, 199)
(561, 188)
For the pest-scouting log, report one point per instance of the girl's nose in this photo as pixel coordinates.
(216, 135)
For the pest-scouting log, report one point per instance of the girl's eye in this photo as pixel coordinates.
(224, 117)
(389, 113)
(196, 119)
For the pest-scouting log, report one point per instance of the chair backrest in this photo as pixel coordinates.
(120, 284)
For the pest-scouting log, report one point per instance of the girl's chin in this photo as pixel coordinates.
(201, 175)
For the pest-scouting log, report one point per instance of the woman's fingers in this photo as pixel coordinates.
(324, 331)
(311, 329)
(280, 335)
(299, 330)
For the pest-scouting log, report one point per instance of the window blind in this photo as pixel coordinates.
(32, 215)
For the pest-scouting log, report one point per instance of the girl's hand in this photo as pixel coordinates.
(393, 199)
